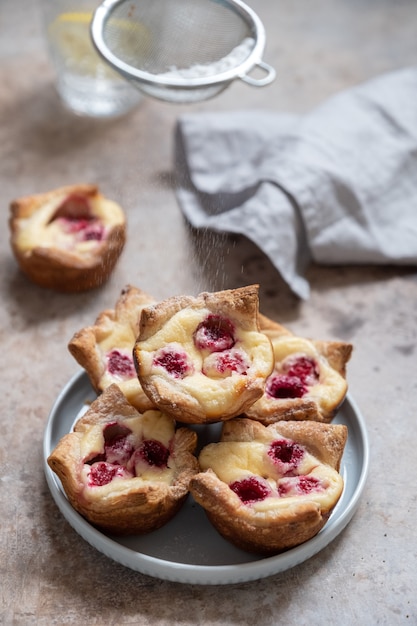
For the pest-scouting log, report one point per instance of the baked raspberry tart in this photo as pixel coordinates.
(308, 381)
(270, 488)
(68, 239)
(125, 472)
(105, 349)
(202, 359)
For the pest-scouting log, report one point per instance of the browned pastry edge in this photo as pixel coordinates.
(50, 267)
(266, 324)
(27, 205)
(270, 533)
(324, 441)
(240, 303)
(138, 509)
(297, 524)
(168, 401)
(337, 353)
(289, 409)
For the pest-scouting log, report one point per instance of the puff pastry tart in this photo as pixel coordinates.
(68, 239)
(308, 381)
(125, 472)
(270, 488)
(104, 349)
(202, 359)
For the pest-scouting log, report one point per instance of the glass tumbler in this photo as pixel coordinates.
(85, 83)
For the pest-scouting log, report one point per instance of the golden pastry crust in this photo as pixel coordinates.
(125, 472)
(104, 349)
(308, 381)
(202, 359)
(68, 239)
(268, 489)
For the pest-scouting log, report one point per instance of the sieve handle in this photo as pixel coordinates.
(260, 82)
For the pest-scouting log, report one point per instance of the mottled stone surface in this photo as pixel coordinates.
(49, 575)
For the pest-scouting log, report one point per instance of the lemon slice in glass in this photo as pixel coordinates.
(70, 36)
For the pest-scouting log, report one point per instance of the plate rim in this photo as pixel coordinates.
(195, 573)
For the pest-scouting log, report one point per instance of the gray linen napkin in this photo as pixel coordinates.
(335, 186)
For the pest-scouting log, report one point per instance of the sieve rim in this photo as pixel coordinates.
(103, 13)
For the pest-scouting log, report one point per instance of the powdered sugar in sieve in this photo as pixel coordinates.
(230, 61)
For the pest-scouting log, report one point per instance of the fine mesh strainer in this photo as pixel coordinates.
(181, 50)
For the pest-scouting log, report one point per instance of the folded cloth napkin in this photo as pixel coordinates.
(335, 186)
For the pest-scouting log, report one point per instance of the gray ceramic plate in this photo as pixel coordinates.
(188, 549)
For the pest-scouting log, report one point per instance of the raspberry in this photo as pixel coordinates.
(304, 368)
(153, 452)
(307, 484)
(119, 364)
(175, 362)
(93, 232)
(74, 225)
(234, 362)
(215, 334)
(250, 489)
(84, 228)
(281, 386)
(299, 486)
(224, 363)
(102, 473)
(117, 447)
(286, 454)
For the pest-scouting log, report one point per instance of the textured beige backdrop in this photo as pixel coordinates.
(48, 574)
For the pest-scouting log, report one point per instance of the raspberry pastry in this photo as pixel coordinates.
(202, 359)
(104, 350)
(308, 381)
(270, 488)
(125, 472)
(68, 239)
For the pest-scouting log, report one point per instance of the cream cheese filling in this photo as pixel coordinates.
(178, 332)
(40, 229)
(152, 425)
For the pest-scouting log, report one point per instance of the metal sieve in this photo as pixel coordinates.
(181, 50)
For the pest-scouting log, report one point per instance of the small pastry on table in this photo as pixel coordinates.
(68, 239)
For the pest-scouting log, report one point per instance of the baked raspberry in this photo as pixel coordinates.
(119, 364)
(102, 473)
(75, 217)
(304, 368)
(153, 452)
(83, 229)
(222, 364)
(215, 334)
(286, 455)
(117, 447)
(174, 361)
(297, 374)
(283, 386)
(92, 231)
(67, 239)
(300, 486)
(252, 489)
